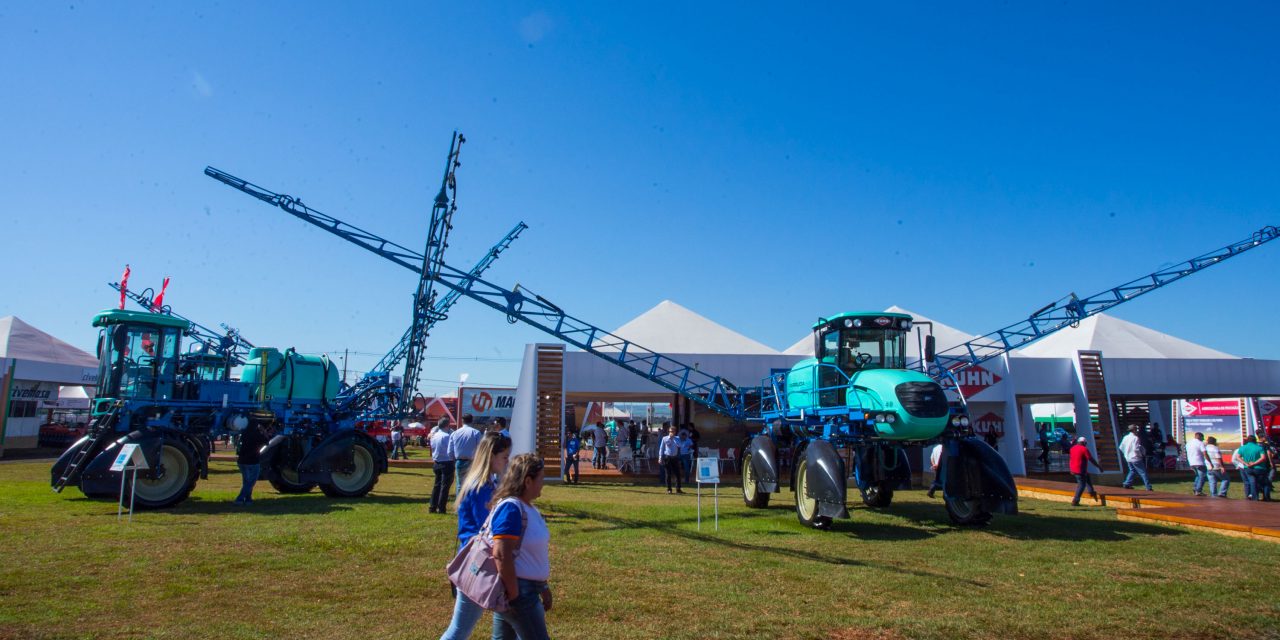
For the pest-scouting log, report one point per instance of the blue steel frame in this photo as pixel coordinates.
(1070, 310)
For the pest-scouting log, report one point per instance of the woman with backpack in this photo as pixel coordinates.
(474, 498)
(521, 546)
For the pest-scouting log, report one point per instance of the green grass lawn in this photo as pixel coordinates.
(628, 562)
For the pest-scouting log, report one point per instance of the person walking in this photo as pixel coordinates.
(1198, 463)
(1079, 463)
(1136, 457)
(1257, 466)
(522, 545)
(669, 459)
(252, 439)
(662, 469)
(571, 448)
(397, 443)
(1218, 478)
(474, 494)
(463, 443)
(442, 465)
(935, 463)
(600, 442)
(686, 454)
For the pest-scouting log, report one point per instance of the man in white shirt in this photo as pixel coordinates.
(1136, 457)
(441, 465)
(1196, 460)
(1218, 478)
(463, 444)
(600, 442)
(669, 459)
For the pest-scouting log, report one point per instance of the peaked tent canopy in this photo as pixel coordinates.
(671, 328)
(1117, 338)
(21, 341)
(945, 337)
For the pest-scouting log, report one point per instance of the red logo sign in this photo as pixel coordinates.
(1210, 407)
(481, 401)
(883, 321)
(989, 423)
(974, 380)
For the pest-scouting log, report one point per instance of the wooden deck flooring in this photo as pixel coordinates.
(1228, 516)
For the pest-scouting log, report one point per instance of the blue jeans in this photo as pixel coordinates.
(571, 468)
(1082, 480)
(686, 465)
(461, 466)
(1202, 477)
(1250, 488)
(1139, 469)
(248, 477)
(465, 616)
(1261, 483)
(397, 450)
(525, 618)
(1218, 483)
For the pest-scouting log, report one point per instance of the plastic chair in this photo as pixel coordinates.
(625, 459)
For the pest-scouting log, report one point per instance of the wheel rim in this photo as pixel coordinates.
(361, 471)
(748, 478)
(288, 473)
(963, 509)
(172, 469)
(805, 505)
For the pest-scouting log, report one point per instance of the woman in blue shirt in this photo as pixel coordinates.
(522, 544)
(474, 495)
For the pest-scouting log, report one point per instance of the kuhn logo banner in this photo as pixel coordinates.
(975, 380)
(990, 423)
(487, 404)
(1210, 407)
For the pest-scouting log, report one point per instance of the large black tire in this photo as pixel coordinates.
(878, 495)
(360, 480)
(286, 479)
(966, 513)
(170, 482)
(806, 507)
(751, 493)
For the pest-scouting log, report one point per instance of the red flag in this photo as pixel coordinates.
(159, 301)
(124, 285)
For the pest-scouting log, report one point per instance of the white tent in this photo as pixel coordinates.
(21, 341)
(944, 336)
(671, 328)
(1116, 338)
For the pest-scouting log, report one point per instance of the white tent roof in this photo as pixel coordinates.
(945, 337)
(22, 341)
(1116, 338)
(671, 328)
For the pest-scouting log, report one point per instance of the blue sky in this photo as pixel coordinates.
(761, 166)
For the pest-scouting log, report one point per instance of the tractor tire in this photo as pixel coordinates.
(806, 507)
(286, 480)
(966, 513)
(172, 479)
(360, 480)
(878, 496)
(751, 494)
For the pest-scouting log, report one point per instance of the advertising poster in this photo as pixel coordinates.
(1217, 418)
(487, 403)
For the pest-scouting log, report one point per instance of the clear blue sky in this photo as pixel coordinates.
(760, 165)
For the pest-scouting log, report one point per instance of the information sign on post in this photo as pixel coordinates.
(709, 473)
(130, 458)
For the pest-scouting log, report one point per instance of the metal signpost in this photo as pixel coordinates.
(130, 459)
(709, 472)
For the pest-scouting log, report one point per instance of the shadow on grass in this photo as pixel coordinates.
(1028, 526)
(671, 528)
(277, 504)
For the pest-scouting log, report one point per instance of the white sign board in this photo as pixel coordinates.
(709, 470)
(131, 457)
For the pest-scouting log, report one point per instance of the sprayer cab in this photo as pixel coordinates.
(138, 354)
(859, 373)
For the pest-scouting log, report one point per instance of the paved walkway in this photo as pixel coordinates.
(1228, 516)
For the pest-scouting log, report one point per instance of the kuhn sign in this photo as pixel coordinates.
(975, 380)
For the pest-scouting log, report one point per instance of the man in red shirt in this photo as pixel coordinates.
(1080, 461)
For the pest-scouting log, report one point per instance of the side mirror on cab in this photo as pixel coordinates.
(930, 348)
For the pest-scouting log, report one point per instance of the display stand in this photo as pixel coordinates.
(129, 459)
(709, 473)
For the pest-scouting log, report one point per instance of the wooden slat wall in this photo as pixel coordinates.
(1095, 391)
(549, 417)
